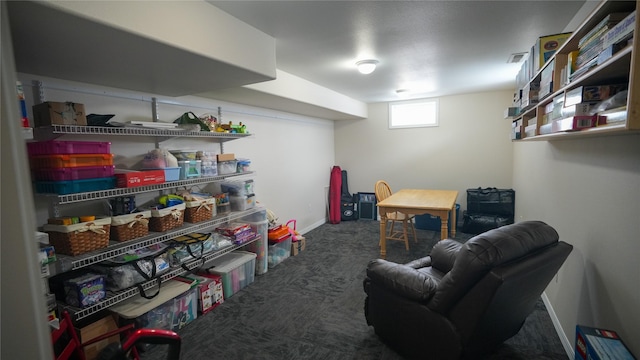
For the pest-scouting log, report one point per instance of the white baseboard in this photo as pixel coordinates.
(568, 345)
(312, 226)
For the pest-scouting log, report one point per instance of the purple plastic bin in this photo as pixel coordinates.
(68, 147)
(77, 173)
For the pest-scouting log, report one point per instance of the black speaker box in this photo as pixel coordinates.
(367, 208)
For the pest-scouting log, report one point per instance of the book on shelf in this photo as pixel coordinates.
(589, 54)
(621, 31)
(584, 68)
(594, 42)
(609, 21)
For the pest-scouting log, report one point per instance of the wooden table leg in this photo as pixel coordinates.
(383, 237)
(454, 221)
(444, 225)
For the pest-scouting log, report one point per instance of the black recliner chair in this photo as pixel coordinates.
(463, 300)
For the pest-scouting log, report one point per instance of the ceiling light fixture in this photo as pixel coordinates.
(366, 66)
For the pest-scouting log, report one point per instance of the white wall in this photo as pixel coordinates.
(589, 190)
(291, 154)
(470, 147)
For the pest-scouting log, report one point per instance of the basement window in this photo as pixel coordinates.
(413, 113)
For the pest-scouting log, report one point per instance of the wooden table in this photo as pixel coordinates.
(418, 202)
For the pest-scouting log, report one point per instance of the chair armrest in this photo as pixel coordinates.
(402, 280)
(420, 263)
(443, 254)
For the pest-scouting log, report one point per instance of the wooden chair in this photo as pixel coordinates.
(383, 191)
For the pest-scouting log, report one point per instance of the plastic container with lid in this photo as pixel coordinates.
(241, 203)
(190, 169)
(237, 269)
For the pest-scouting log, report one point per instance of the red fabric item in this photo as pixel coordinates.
(335, 190)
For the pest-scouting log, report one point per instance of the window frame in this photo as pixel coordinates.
(436, 114)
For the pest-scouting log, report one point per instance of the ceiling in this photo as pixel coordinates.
(432, 48)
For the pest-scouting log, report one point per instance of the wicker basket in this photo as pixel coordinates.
(167, 218)
(199, 210)
(130, 226)
(79, 238)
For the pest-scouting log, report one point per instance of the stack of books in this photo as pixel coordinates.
(591, 44)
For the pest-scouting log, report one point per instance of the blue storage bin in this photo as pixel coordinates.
(430, 222)
(75, 186)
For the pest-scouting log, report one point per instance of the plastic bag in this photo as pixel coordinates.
(159, 159)
(616, 101)
(191, 118)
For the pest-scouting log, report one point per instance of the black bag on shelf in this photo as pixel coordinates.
(491, 201)
(479, 223)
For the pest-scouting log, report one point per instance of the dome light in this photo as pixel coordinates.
(366, 66)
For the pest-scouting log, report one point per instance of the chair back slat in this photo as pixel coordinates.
(382, 190)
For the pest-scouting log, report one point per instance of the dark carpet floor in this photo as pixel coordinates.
(310, 306)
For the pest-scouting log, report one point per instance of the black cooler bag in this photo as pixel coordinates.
(491, 201)
(487, 209)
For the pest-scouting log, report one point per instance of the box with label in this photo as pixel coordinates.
(580, 109)
(210, 292)
(545, 47)
(131, 178)
(600, 344)
(574, 123)
(583, 94)
(530, 95)
(59, 113)
(226, 157)
(85, 290)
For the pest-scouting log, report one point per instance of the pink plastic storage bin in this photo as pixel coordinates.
(68, 147)
(77, 173)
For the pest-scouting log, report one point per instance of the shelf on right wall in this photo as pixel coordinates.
(596, 62)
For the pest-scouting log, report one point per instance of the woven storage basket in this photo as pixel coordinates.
(199, 210)
(167, 218)
(79, 238)
(130, 226)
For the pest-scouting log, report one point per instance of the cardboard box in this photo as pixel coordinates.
(580, 109)
(545, 47)
(583, 94)
(59, 113)
(226, 157)
(574, 123)
(530, 95)
(94, 330)
(127, 178)
(600, 344)
(530, 130)
(299, 245)
(210, 291)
